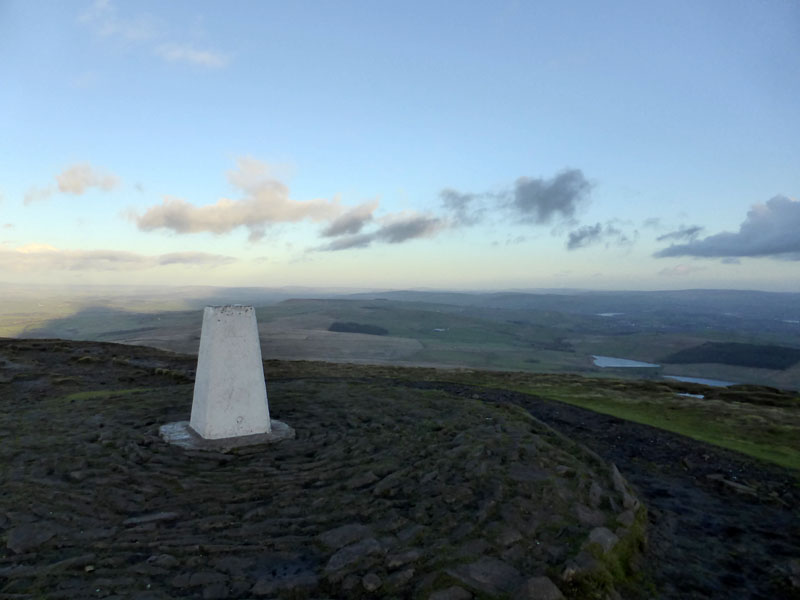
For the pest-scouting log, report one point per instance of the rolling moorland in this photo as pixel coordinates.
(716, 468)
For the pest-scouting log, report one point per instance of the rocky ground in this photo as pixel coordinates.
(393, 488)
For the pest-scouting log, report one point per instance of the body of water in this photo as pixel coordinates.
(611, 361)
(703, 380)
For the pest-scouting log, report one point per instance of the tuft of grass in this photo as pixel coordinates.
(102, 394)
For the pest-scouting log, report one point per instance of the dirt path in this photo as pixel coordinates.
(707, 540)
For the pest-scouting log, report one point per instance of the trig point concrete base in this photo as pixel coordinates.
(230, 405)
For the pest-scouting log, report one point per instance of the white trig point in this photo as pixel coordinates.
(230, 396)
(229, 407)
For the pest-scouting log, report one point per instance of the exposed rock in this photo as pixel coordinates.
(400, 578)
(352, 554)
(452, 593)
(628, 500)
(269, 586)
(582, 563)
(346, 534)
(166, 561)
(794, 573)
(361, 480)
(488, 575)
(206, 578)
(626, 518)
(371, 582)
(589, 516)
(29, 536)
(215, 591)
(152, 518)
(393, 561)
(538, 588)
(604, 537)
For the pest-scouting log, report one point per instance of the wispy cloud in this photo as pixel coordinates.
(465, 209)
(683, 233)
(37, 194)
(395, 230)
(680, 270)
(43, 257)
(75, 179)
(188, 54)
(352, 221)
(102, 17)
(769, 230)
(609, 234)
(147, 31)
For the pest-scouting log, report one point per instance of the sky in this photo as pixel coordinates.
(470, 145)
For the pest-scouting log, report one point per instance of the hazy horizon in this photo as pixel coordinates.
(501, 146)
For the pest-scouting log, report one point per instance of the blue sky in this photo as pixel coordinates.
(631, 145)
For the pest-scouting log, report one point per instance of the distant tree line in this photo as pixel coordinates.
(737, 354)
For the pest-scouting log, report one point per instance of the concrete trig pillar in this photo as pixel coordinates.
(230, 396)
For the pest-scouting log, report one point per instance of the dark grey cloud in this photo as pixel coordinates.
(352, 221)
(408, 229)
(397, 229)
(541, 201)
(771, 229)
(361, 240)
(684, 233)
(465, 209)
(585, 236)
(610, 233)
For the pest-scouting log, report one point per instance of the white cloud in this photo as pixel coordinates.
(75, 179)
(103, 19)
(266, 201)
(78, 178)
(36, 194)
(44, 257)
(185, 53)
(147, 31)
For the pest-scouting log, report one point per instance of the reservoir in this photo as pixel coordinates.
(703, 380)
(611, 361)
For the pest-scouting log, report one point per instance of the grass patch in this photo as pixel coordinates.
(767, 433)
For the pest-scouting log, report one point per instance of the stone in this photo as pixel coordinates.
(215, 591)
(28, 536)
(628, 499)
(604, 537)
(400, 578)
(393, 561)
(361, 480)
(452, 593)
(351, 554)
(488, 575)
(230, 395)
(344, 535)
(588, 516)
(151, 518)
(371, 582)
(206, 578)
(626, 518)
(539, 588)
